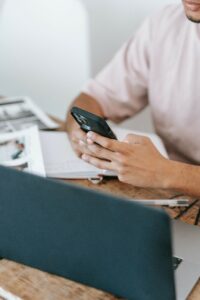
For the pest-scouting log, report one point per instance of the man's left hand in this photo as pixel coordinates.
(135, 160)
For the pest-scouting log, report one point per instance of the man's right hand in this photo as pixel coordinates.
(78, 140)
(77, 136)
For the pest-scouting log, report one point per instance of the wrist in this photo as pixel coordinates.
(177, 176)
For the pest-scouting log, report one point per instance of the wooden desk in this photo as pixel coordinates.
(32, 284)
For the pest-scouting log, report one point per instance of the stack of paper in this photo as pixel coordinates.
(22, 112)
(20, 146)
(22, 151)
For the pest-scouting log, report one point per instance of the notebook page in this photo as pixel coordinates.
(60, 160)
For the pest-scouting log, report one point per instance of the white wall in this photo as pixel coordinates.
(44, 51)
(1, 4)
(111, 23)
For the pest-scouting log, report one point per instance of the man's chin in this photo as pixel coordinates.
(193, 19)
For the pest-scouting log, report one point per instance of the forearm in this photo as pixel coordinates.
(87, 103)
(184, 178)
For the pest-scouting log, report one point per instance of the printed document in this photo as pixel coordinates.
(22, 150)
(19, 113)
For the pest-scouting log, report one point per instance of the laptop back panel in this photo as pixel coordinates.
(101, 241)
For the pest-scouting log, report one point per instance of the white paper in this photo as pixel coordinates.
(7, 295)
(61, 162)
(22, 150)
(19, 113)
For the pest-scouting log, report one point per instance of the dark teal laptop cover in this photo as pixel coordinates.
(105, 242)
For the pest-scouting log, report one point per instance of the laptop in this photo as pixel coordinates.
(108, 243)
(186, 251)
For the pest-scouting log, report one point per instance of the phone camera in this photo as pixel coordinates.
(83, 120)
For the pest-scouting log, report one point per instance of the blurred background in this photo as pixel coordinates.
(49, 48)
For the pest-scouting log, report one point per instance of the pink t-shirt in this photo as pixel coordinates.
(159, 66)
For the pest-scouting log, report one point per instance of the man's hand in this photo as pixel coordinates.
(135, 160)
(76, 135)
(78, 139)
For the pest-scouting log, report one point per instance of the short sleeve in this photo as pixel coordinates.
(121, 88)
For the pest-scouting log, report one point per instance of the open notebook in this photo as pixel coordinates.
(61, 162)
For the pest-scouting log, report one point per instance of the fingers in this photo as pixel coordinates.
(78, 135)
(110, 144)
(100, 152)
(75, 137)
(98, 163)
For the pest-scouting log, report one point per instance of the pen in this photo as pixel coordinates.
(163, 202)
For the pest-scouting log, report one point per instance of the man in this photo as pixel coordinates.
(159, 66)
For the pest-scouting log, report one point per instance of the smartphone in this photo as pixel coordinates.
(92, 122)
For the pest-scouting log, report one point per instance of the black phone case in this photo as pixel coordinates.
(91, 122)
